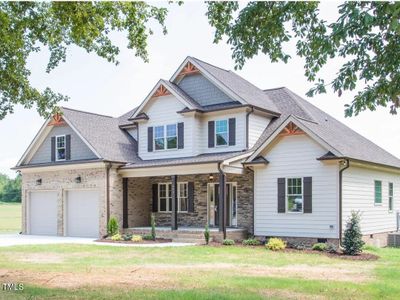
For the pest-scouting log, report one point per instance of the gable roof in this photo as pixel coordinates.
(343, 140)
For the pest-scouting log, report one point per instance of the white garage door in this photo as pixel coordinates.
(42, 216)
(82, 213)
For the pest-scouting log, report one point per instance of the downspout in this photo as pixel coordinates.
(247, 126)
(252, 171)
(222, 188)
(108, 167)
(341, 198)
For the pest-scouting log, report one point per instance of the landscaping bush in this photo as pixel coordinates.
(352, 242)
(207, 234)
(153, 226)
(148, 237)
(320, 247)
(112, 226)
(251, 242)
(228, 242)
(116, 237)
(275, 244)
(127, 237)
(136, 238)
(331, 248)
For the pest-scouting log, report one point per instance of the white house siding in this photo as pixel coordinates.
(359, 195)
(295, 156)
(257, 124)
(132, 132)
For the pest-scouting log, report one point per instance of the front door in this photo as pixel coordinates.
(230, 207)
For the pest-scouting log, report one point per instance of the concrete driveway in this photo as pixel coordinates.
(21, 239)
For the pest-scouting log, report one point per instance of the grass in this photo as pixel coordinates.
(201, 272)
(10, 217)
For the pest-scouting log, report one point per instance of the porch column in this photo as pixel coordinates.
(125, 202)
(221, 203)
(174, 208)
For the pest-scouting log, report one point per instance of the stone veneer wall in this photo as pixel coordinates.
(140, 200)
(60, 182)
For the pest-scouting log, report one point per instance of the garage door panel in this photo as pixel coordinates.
(43, 213)
(82, 213)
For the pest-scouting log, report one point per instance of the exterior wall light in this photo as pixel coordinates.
(211, 177)
(39, 181)
(78, 179)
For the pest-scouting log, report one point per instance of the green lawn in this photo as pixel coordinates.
(201, 272)
(10, 217)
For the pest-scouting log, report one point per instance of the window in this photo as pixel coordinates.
(221, 133)
(60, 147)
(378, 192)
(165, 197)
(294, 195)
(390, 196)
(165, 137)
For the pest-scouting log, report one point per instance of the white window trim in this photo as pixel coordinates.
(65, 147)
(165, 137)
(167, 193)
(215, 133)
(211, 187)
(377, 203)
(287, 196)
(391, 196)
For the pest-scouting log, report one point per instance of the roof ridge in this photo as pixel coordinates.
(273, 89)
(86, 112)
(207, 63)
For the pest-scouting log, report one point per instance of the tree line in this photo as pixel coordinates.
(10, 189)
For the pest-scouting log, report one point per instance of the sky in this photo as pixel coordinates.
(97, 86)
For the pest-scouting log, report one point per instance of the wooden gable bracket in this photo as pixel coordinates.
(56, 120)
(188, 69)
(161, 91)
(291, 129)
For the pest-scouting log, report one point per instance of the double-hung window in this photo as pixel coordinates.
(60, 147)
(165, 137)
(378, 192)
(390, 196)
(221, 132)
(294, 195)
(165, 197)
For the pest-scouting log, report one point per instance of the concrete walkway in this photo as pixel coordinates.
(19, 239)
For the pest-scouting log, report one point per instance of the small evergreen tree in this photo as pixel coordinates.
(353, 243)
(112, 226)
(207, 234)
(153, 227)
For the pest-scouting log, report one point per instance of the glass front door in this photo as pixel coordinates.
(230, 207)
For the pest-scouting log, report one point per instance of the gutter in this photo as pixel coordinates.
(247, 126)
(341, 199)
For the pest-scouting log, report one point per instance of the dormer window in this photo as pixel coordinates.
(221, 133)
(60, 147)
(165, 137)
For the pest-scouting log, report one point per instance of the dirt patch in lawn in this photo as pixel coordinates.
(288, 295)
(41, 258)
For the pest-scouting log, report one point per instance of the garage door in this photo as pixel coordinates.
(43, 213)
(82, 213)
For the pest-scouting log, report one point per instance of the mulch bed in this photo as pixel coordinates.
(157, 241)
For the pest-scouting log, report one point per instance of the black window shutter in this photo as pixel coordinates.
(53, 148)
(190, 196)
(211, 130)
(281, 194)
(155, 197)
(181, 142)
(150, 139)
(307, 181)
(68, 147)
(232, 132)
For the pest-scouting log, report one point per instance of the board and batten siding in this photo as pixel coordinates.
(295, 156)
(359, 195)
(257, 125)
(79, 150)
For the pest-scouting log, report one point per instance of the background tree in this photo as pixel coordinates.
(366, 35)
(10, 189)
(26, 27)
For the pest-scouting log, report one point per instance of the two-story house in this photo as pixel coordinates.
(208, 147)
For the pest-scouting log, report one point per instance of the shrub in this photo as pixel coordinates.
(331, 248)
(127, 237)
(116, 237)
(275, 244)
(228, 242)
(136, 238)
(320, 247)
(207, 234)
(112, 226)
(352, 242)
(251, 242)
(298, 245)
(148, 237)
(153, 226)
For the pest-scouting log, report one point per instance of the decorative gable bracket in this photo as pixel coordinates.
(56, 120)
(291, 129)
(161, 91)
(188, 69)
